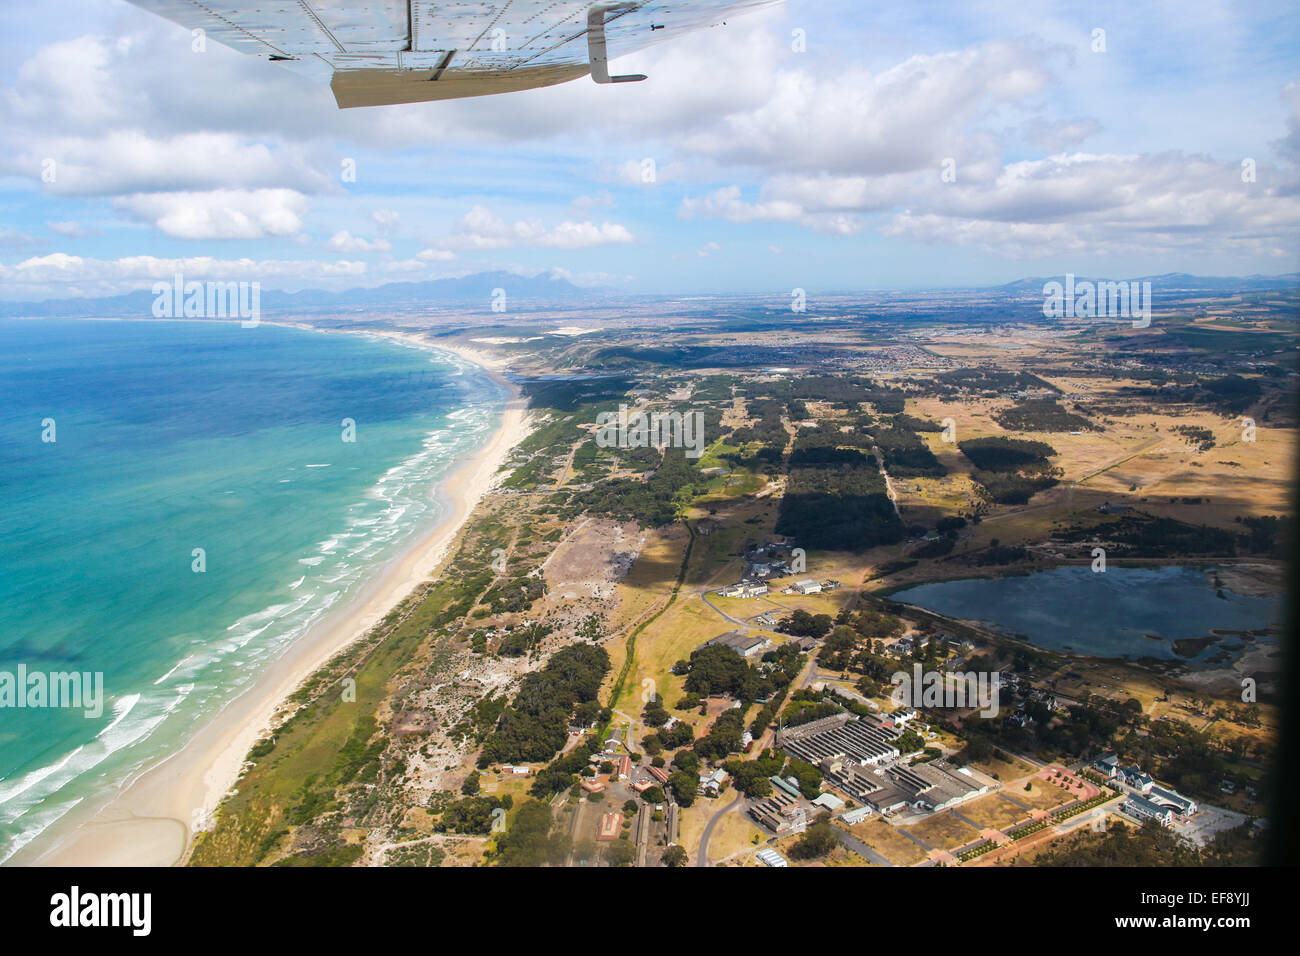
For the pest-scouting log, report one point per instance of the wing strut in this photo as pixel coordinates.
(596, 51)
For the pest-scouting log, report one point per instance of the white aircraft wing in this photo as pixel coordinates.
(379, 52)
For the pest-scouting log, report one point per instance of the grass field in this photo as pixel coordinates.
(994, 811)
(886, 840)
(944, 831)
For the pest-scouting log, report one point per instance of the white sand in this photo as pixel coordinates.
(148, 823)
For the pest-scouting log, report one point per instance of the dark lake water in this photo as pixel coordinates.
(1102, 614)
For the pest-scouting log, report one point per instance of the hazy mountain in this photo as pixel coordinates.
(476, 290)
(523, 293)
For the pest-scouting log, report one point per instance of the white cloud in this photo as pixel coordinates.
(219, 213)
(67, 229)
(481, 229)
(68, 275)
(420, 262)
(344, 241)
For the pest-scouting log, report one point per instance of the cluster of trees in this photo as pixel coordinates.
(768, 428)
(719, 670)
(1268, 534)
(999, 454)
(724, 737)
(839, 508)
(906, 456)
(1232, 394)
(818, 840)
(803, 624)
(989, 382)
(1144, 536)
(535, 725)
(1202, 438)
(652, 503)
(912, 423)
(1011, 470)
(472, 814)
(933, 549)
(524, 640)
(1042, 415)
(529, 840)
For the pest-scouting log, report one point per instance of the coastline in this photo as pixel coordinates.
(149, 821)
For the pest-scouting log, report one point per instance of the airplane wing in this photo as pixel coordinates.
(380, 52)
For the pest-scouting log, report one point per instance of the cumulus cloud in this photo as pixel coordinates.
(219, 213)
(481, 229)
(344, 241)
(1110, 203)
(87, 276)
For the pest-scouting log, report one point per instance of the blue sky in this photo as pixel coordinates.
(773, 168)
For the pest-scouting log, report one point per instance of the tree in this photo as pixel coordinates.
(675, 856)
(683, 786)
(470, 786)
(818, 840)
(621, 852)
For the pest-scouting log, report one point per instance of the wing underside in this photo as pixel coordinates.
(378, 52)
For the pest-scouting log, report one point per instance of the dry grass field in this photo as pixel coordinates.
(886, 840)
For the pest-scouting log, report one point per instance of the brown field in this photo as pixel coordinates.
(888, 842)
(994, 812)
(1041, 795)
(944, 831)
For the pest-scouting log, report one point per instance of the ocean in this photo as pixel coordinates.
(181, 500)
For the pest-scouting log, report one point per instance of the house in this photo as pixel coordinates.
(625, 767)
(829, 801)
(659, 773)
(808, 586)
(900, 717)
(780, 813)
(1144, 809)
(746, 645)
(712, 785)
(770, 857)
(1172, 800)
(830, 584)
(1137, 779)
(788, 784)
(856, 815)
(1107, 765)
(610, 826)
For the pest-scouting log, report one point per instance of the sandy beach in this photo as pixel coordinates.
(150, 820)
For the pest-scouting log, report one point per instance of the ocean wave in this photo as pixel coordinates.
(391, 512)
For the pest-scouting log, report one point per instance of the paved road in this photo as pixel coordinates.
(704, 595)
(702, 857)
(849, 841)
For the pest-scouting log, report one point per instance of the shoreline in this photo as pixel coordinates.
(150, 820)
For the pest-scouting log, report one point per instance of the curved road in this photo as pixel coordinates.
(702, 856)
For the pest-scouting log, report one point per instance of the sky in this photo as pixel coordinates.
(902, 145)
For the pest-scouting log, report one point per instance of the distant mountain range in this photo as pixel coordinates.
(524, 293)
(475, 290)
(1169, 282)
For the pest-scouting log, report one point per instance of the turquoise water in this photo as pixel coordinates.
(1102, 615)
(175, 436)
